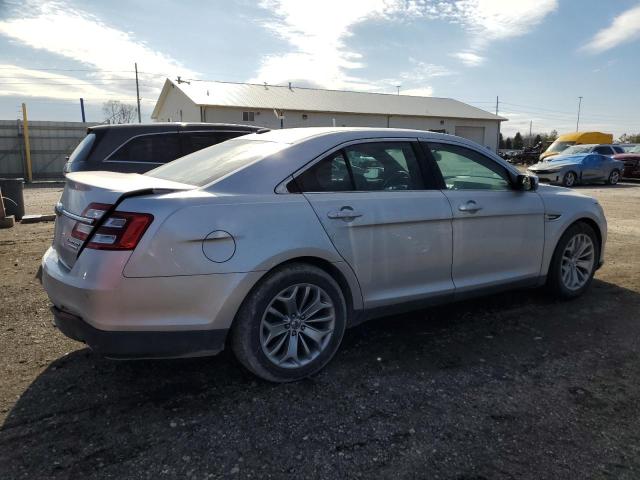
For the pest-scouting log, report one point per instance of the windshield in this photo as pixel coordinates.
(577, 149)
(559, 146)
(211, 164)
(631, 148)
(81, 152)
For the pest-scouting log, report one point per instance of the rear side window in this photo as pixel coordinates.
(154, 148)
(366, 167)
(603, 150)
(194, 141)
(81, 152)
(328, 175)
(618, 149)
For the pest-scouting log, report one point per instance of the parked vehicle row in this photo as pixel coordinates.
(273, 243)
(564, 141)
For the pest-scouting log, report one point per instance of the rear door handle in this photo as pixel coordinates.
(345, 213)
(470, 207)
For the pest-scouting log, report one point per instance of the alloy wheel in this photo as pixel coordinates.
(570, 179)
(614, 177)
(578, 260)
(297, 325)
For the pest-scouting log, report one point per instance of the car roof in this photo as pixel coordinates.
(163, 126)
(339, 134)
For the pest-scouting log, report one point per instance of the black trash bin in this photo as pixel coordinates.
(13, 196)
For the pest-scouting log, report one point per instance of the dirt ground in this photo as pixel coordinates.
(511, 386)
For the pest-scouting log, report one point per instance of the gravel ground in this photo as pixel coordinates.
(510, 386)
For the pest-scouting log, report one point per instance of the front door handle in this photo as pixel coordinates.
(345, 213)
(470, 207)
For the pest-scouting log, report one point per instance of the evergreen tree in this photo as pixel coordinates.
(508, 144)
(500, 141)
(518, 143)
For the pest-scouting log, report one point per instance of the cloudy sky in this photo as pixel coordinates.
(538, 56)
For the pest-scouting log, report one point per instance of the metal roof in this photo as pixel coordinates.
(247, 95)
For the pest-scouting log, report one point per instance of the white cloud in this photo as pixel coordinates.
(485, 20)
(624, 28)
(470, 59)
(82, 37)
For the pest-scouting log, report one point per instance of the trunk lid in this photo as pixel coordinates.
(84, 188)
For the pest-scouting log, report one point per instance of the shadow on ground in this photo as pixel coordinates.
(510, 386)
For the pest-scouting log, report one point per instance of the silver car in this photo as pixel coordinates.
(274, 243)
(581, 164)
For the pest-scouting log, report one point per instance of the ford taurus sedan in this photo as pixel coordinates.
(580, 164)
(274, 243)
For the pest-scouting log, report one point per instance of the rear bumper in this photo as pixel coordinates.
(140, 344)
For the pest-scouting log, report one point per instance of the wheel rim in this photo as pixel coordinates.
(578, 259)
(297, 325)
(570, 179)
(615, 176)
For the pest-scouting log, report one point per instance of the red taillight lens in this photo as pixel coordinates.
(121, 231)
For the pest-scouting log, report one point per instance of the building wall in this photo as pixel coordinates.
(178, 107)
(177, 101)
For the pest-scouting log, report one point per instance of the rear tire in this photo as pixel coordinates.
(574, 262)
(569, 180)
(277, 336)
(614, 177)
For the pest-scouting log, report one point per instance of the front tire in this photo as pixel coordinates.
(614, 177)
(569, 179)
(574, 262)
(291, 324)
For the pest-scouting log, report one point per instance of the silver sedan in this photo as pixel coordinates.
(274, 243)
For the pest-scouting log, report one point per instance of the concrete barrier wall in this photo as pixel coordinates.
(50, 142)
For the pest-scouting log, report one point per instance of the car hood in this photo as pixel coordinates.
(559, 161)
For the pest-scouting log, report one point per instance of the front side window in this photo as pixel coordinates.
(366, 167)
(466, 169)
(157, 148)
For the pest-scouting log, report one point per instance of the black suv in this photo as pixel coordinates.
(137, 148)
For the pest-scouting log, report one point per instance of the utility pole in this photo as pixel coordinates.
(27, 145)
(498, 137)
(138, 93)
(398, 88)
(84, 119)
(579, 105)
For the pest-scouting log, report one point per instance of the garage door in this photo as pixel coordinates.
(472, 133)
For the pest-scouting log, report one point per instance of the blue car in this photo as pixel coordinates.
(580, 164)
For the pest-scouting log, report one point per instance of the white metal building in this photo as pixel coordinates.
(272, 106)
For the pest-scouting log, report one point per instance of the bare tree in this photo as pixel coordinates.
(117, 112)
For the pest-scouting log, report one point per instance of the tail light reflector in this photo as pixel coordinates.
(121, 231)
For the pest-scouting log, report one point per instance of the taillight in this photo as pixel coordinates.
(121, 231)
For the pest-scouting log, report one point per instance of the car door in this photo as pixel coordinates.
(593, 167)
(145, 152)
(388, 220)
(498, 231)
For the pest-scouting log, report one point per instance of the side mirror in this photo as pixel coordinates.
(526, 183)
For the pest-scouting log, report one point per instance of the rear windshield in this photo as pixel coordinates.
(81, 152)
(578, 149)
(211, 164)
